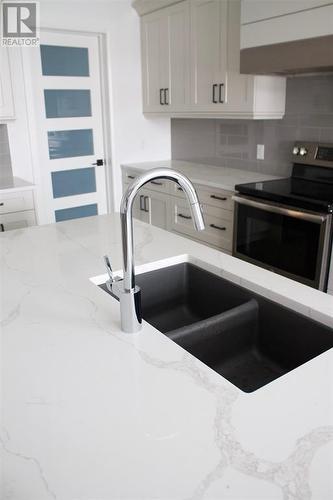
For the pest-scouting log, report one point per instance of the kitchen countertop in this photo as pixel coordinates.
(207, 175)
(91, 413)
(15, 184)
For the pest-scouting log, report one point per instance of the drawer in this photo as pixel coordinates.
(16, 202)
(17, 220)
(219, 225)
(129, 175)
(160, 185)
(210, 196)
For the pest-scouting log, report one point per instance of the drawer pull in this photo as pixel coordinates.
(157, 183)
(221, 198)
(131, 176)
(2, 228)
(184, 216)
(218, 227)
(2, 204)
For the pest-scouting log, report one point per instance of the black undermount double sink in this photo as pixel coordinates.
(243, 336)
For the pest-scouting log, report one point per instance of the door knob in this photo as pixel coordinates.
(99, 162)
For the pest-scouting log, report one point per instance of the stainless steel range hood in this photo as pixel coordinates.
(311, 55)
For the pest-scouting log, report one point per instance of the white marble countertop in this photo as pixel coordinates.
(91, 413)
(15, 184)
(208, 175)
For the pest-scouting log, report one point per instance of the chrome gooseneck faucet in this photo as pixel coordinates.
(125, 289)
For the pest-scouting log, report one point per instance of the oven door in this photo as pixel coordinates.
(286, 240)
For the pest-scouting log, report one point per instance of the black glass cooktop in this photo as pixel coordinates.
(301, 193)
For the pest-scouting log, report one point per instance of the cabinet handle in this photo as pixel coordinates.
(218, 227)
(161, 95)
(221, 198)
(214, 93)
(157, 183)
(142, 205)
(146, 203)
(2, 228)
(221, 89)
(131, 176)
(166, 97)
(184, 216)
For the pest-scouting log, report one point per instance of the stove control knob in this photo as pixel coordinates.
(303, 151)
(296, 150)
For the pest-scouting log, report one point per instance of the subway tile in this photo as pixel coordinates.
(309, 116)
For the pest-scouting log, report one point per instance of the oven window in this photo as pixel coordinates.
(278, 241)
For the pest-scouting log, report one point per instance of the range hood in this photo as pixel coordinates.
(311, 55)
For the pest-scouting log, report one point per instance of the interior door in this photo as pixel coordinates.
(208, 54)
(67, 93)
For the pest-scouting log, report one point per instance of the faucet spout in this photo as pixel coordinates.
(129, 290)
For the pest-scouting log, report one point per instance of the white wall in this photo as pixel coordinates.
(18, 129)
(134, 137)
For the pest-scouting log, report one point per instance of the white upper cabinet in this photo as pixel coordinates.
(191, 65)
(6, 91)
(165, 65)
(208, 53)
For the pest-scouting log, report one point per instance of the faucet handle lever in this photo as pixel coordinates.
(108, 267)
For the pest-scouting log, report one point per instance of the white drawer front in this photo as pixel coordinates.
(17, 220)
(219, 225)
(210, 196)
(160, 185)
(16, 202)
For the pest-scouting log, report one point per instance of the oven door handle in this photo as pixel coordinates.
(318, 219)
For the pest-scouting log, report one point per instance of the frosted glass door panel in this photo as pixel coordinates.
(73, 182)
(67, 103)
(64, 61)
(70, 143)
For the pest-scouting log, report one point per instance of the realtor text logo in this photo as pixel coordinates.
(20, 23)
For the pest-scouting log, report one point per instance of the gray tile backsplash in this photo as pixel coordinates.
(5, 162)
(233, 143)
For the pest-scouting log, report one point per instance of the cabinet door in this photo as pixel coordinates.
(155, 61)
(141, 207)
(6, 92)
(178, 93)
(157, 205)
(158, 209)
(208, 54)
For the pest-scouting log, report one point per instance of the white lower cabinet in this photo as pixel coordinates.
(169, 209)
(16, 210)
(17, 220)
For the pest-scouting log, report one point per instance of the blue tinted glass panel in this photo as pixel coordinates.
(70, 143)
(75, 212)
(67, 103)
(72, 182)
(64, 61)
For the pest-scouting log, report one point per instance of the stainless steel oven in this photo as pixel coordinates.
(290, 241)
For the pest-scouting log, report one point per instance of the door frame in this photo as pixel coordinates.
(106, 109)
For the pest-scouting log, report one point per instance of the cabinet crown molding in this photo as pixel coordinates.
(146, 6)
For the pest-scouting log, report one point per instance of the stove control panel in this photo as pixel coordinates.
(312, 153)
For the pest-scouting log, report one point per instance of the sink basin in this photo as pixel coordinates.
(184, 294)
(243, 336)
